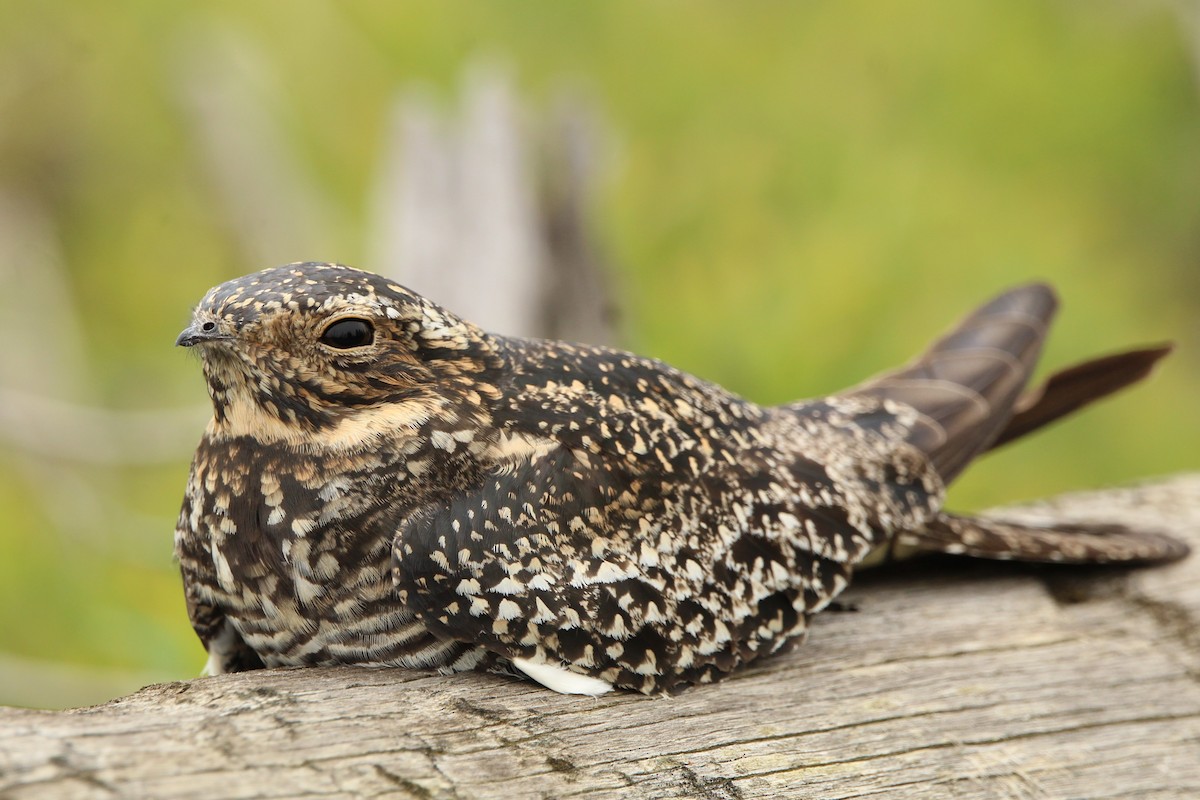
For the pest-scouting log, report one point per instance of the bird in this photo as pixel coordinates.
(382, 483)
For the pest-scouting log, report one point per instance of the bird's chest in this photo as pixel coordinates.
(294, 583)
(300, 549)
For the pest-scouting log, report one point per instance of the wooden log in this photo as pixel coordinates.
(950, 679)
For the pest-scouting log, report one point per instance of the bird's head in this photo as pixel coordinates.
(329, 355)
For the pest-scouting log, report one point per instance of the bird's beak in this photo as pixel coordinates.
(201, 331)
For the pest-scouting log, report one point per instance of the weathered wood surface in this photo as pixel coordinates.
(952, 679)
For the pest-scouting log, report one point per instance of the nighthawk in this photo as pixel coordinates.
(383, 483)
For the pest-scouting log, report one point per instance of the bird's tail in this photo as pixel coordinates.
(968, 388)
(968, 385)
(1053, 543)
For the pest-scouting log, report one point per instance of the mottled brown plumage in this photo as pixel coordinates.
(382, 483)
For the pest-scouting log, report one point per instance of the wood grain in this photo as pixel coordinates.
(950, 679)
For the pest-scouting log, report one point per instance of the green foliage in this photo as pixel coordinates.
(802, 194)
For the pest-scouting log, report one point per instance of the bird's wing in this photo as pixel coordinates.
(642, 580)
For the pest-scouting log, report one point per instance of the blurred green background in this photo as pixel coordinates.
(798, 195)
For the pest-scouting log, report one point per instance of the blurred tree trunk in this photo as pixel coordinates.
(466, 214)
(486, 211)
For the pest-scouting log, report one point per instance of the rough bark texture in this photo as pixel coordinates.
(951, 679)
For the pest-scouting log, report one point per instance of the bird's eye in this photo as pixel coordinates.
(346, 334)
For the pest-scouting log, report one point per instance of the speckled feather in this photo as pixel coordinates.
(444, 497)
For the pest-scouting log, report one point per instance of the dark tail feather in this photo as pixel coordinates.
(1074, 387)
(966, 384)
(1065, 543)
(966, 389)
